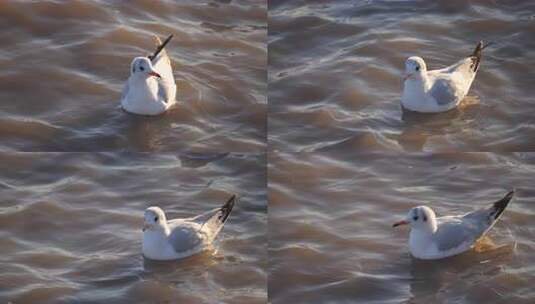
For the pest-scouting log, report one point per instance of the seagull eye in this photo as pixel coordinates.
(156, 219)
(141, 68)
(415, 218)
(417, 68)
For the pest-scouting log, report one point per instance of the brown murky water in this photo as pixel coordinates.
(332, 241)
(70, 228)
(63, 66)
(344, 162)
(335, 74)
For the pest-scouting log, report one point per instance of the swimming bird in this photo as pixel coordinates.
(179, 238)
(151, 88)
(438, 90)
(434, 237)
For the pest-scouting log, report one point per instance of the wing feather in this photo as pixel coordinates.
(455, 234)
(166, 85)
(184, 239)
(443, 91)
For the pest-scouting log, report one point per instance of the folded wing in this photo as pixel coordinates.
(455, 235)
(185, 239)
(162, 64)
(212, 221)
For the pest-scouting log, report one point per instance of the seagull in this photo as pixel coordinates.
(436, 238)
(438, 90)
(179, 238)
(151, 88)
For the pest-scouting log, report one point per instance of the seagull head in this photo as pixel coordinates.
(414, 68)
(154, 219)
(141, 66)
(420, 218)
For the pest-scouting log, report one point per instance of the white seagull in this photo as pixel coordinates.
(180, 238)
(151, 88)
(436, 238)
(438, 90)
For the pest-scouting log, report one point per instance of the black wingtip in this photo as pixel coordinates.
(500, 205)
(164, 43)
(486, 45)
(160, 47)
(227, 208)
(476, 56)
(478, 48)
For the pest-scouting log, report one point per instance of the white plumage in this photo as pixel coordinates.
(435, 238)
(180, 238)
(151, 88)
(438, 90)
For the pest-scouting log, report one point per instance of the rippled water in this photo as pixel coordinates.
(63, 66)
(70, 228)
(335, 74)
(344, 161)
(332, 241)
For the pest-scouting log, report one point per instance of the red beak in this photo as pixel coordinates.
(400, 223)
(155, 74)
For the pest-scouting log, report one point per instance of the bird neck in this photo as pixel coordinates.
(414, 92)
(420, 236)
(425, 230)
(425, 81)
(166, 229)
(419, 240)
(162, 229)
(422, 81)
(144, 85)
(433, 226)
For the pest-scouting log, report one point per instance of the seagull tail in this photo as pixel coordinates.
(160, 47)
(499, 206)
(218, 217)
(476, 55)
(225, 210)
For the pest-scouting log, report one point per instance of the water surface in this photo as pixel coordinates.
(70, 228)
(332, 241)
(63, 66)
(335, 71)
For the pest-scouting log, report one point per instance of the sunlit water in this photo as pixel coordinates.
(332, 241)
(63, 66)
(70, 228)
(335, 70)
